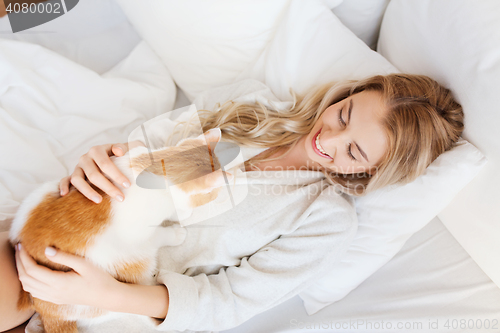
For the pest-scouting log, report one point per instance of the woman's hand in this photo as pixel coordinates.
(88, 285)
(91, 165)
(85, 285)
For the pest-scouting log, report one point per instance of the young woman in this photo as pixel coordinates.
(358, 136)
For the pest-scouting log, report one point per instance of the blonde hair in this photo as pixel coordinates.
(423, 121)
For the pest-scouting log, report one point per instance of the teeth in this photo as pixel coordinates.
(319, 146)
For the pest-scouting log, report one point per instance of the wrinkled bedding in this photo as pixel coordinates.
(53, 110)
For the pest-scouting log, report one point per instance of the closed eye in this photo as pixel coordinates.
(343, 124)
(349, 152)
(341, 120)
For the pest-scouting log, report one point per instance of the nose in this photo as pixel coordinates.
(332, 140)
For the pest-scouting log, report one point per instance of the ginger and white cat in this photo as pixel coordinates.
(120, 237)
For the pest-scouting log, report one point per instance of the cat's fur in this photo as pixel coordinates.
(122, 238)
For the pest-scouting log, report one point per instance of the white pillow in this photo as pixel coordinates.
(53, 110)
(311, 46)
(458, 42)
(363, 17)
(205, 44)
(333, 3)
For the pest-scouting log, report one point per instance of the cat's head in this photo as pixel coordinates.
(192, 158)
(191, 166)
(197, 170)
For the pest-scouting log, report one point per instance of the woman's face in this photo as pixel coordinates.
(349, 137)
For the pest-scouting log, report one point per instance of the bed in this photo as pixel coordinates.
(441, 273)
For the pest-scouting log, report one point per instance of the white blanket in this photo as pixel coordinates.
(53, 110)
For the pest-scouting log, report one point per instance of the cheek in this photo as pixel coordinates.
(344, 165)
(353, 169)
(327, 114)
(330, 118)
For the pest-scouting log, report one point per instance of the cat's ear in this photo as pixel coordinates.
(211, 137)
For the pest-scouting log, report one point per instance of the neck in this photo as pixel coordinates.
(295, 159)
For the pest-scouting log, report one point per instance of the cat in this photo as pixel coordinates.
(120, 237)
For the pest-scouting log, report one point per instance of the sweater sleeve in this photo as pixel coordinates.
(275, 273)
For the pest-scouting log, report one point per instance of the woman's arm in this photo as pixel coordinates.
(88, 285)
(275, 273)
(149, 301)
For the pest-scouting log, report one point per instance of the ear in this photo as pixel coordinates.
(211, 137)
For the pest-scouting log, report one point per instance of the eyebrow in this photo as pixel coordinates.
(362, 152)
(349, 121)
(350, 110)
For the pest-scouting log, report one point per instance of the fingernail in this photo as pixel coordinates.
(121, 150)
(126, 184)
(50, 251)
(119, 198)
(18, 246)
(96, 199)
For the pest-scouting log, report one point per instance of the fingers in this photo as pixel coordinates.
(29, 271)
(78, 180)
(19, 263)
(119, 149)
(77, 263)
(40, 281)
(64, 185)
(104, 163)
(30, 268)
(91, 166)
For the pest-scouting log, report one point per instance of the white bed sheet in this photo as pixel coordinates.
(53, 110)
(431, 280)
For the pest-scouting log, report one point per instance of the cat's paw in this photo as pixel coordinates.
(180, 235)
(170, 236)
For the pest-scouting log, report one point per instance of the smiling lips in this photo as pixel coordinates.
(317, 146)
